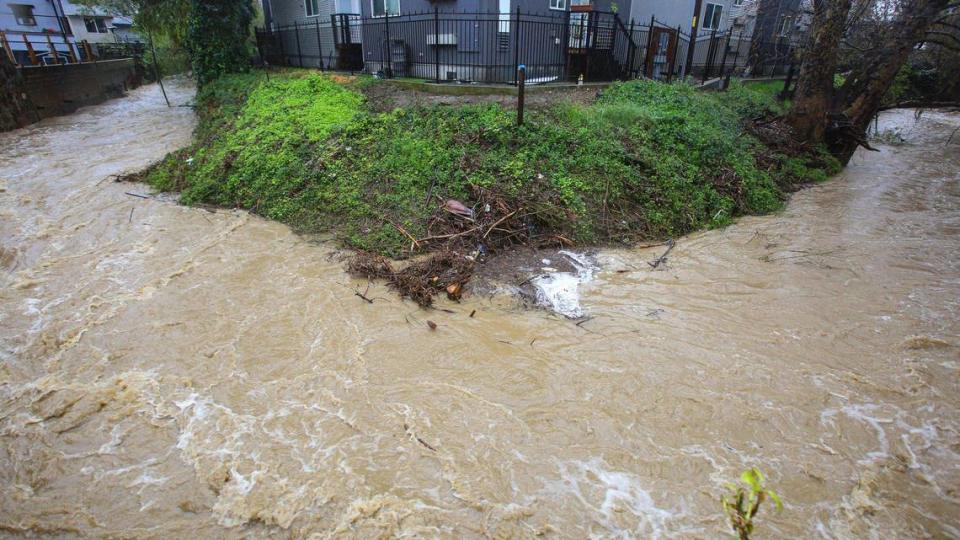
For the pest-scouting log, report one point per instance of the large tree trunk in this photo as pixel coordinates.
(813, 96)
(870, 81)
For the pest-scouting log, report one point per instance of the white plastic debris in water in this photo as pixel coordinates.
(559, 291)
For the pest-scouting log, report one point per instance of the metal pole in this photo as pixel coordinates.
(319, 44)
(436, 42)
(736, 55)
(156, 69)
(386, 20)
(694, 25)
(651, 54)
(516, 45)
(521, 86)
(723, 59)
(283, 52)
(631, 50)
(673, 60)
(566, 45)
(711, 52)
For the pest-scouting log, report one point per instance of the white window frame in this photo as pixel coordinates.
(27, 20)
(558, 5)
(373, 9)
(316, 6)
(706, 22)
(738, 2)
(786, 26)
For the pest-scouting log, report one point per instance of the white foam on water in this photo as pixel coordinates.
(559, 291)
(611, 495)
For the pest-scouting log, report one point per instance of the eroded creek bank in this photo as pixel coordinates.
(171, 372)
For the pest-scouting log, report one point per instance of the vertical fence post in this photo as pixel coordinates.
(736, 56)
(436, 41)
(711, 52)
(319, 44)
(521, 86)
(388, 71)
(566, 45)
(676, 51)
(723, 59)
(516, 46)
(650, 57)
(694, 25)
(296, 29)
(631, 49)
(283, 52)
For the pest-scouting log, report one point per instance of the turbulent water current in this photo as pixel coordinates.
(174, 372)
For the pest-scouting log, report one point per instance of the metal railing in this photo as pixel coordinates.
(488, 47)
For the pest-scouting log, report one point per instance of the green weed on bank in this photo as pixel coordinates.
(646, 160)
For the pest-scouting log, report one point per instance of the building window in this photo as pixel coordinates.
(738, 2)
(95, 25)
(711, 16)
(558, 4)
(312, 7)
(785, 27)
(23, 13)
(386, 7)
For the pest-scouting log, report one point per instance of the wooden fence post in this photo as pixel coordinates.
(7, 49)
(30, 52)
(53, 50)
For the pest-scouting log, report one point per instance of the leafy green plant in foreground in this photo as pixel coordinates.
(742, 502)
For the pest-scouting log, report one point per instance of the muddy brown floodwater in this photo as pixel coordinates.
(170, 372)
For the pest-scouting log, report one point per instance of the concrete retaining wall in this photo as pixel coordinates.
(61, 89)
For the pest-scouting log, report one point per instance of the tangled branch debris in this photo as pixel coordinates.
(419, 281)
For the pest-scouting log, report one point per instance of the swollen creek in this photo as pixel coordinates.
(173, 372)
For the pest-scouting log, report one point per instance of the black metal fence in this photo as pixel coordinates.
(488, 47)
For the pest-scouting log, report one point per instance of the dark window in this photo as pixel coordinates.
(95, 25)
(23, 13)
(711, 16)
(386, 7)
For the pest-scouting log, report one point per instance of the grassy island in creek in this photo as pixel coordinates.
(644, 160)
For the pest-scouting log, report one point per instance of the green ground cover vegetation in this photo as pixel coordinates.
(646, 160)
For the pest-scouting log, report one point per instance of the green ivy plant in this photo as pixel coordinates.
(741, 503)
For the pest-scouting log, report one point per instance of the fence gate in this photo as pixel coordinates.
(661, 52)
